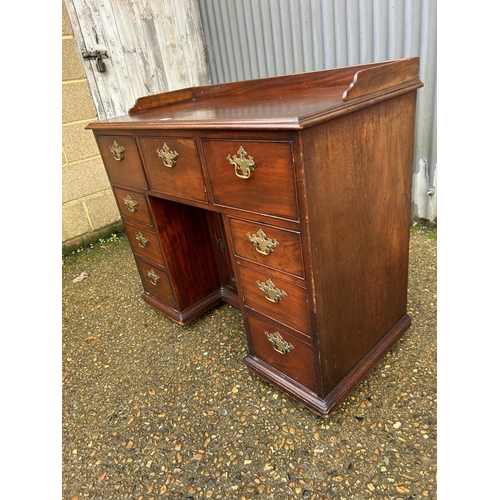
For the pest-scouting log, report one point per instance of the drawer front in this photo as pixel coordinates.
(121, 158)
(156, 282)
(173, 166)
(267, 245)
(288, 304)
(287, 354)
(269, 188)
(144, 243)
(133, 205)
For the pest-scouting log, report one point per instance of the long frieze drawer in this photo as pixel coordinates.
(281, 300)
(134, 205)
(144, 243)
(256, 176)
(173, 166)
(284, 352)
(267, 245)
(157, 283)
(121, 158)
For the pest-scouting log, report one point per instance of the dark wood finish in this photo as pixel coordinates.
(139, 212)
(188, 250)
(185, 179)
(187, 315)
(276, 102)
(160, 287)
(297, 364)
(126, 171)
(286, 257)
(150, 249)
(377, 78)
(150, 102)
(332, 183)
(224, 262)
(269, 190)
(361, 369)
(360, 241)
(292, 310)
(327, 405)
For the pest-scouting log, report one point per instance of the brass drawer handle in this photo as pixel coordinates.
(168, 156)
(143, 241)
(132, 205)
(279, 343)
(262, 244)
(271, 293)
(153, 277)
(245, 165)
(118, 151)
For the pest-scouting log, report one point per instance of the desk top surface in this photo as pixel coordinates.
(285, 102)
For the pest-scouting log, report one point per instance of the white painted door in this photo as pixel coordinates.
(152, 46)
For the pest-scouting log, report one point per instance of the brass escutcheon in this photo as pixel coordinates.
(279, 343)
(118, 151)
(262, 244)
(168, 156)
(271, 293)
(143, 241)
(153, 277)
(245, 165)
(131, 203)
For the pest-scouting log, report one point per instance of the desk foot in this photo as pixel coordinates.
(325, 406)
(187, 315)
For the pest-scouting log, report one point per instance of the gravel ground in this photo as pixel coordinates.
(155, 410)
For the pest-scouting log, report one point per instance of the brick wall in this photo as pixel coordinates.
(88, 207)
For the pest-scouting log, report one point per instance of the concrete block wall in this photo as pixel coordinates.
(89, 209)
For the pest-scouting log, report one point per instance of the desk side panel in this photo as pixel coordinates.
(358, 172)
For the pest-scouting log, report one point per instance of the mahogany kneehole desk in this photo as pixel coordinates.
(288, 197)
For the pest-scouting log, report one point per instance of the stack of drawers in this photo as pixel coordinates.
(268, 257)
(275, 297)
(123, 165)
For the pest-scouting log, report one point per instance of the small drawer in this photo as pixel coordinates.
(278, 299)
(174, 167)
(133, 205)
(267, 245)
(256, 176)
(157, 283)
(121, 159)
(144, 243)
(284, 352)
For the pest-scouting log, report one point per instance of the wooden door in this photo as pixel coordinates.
(152, 46)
